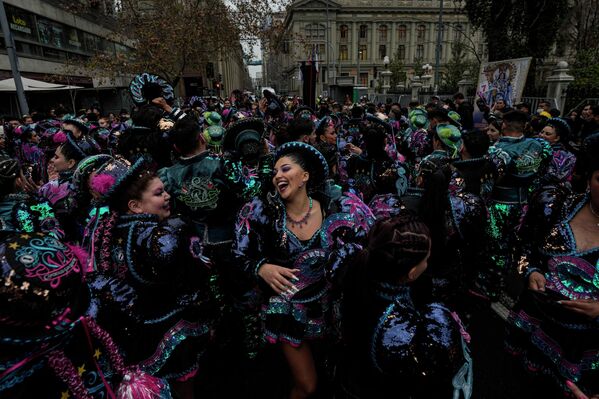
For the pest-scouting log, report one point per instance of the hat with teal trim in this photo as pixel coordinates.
(116, 174)
(314, 161)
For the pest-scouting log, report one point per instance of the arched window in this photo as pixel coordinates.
(420, 33)
(402, 33)
(343, 32)
(383, 33)
(363, 31)
(315, 31)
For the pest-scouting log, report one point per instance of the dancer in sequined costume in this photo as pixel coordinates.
(524, 159)
(20, 211)
(292, 248)
(554, 327)
(395, 345)
(58, 192)
(150, 287)
(373, 172)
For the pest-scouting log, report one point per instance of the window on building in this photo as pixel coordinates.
(28, 49)
(420, 33)
(286, 47)
(363, 31)
(344, 32)
(363, 79)
(401, 52)
(363, 52)
(402, 33)
(382, 51)
(51, 33)
(343, 52)
(419, 51)
(322, 51)
(458, 33)
(383, 33)
(315, 31)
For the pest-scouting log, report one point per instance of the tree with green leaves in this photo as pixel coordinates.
(578, 41)
(170, 38)
(457, 65)
(398, 74)
(516, 28)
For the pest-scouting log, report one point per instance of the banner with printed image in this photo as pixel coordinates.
(502, 79)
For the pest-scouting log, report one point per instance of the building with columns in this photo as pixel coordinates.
(352, 38)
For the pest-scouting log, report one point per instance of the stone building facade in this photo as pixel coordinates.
(352, 38)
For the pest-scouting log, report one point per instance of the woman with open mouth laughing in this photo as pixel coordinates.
(148, 282)
(292, 245)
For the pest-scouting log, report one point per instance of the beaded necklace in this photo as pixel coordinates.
(593, 211)
(302, 221)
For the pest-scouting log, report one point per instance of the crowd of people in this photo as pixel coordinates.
(263, 248)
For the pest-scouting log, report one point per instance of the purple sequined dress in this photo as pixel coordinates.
(549, 339)
(262, 237)
(150, 291)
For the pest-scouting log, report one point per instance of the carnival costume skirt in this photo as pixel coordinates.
(304, 315)
(552, 340)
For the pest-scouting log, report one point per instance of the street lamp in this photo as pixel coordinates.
(358, 77)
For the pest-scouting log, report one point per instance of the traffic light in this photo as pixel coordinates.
(220, 77)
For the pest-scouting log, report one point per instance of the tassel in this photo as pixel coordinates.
(139, 385)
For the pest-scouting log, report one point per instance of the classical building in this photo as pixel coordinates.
(351, 38)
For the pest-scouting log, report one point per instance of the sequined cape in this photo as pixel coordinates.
(262, 236)
(549, 339)
(373, 176)
(23, 213)
(524, 161)
(523, 157)
(154, 297)
(253, 180)
(201, 191)
(409, 349)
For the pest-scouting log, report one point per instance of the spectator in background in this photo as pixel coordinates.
(27, 120)
(500, 107)
(465, 109)
(544, 106)
(523, 107)
(301, 129)
(104, 122)
(590, 124)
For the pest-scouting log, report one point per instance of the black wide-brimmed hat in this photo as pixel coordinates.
(249, 129)
(145, 87)
(304, 109)
(85, 168)
(275, 105)
(376, 121)
(73, 120)
(315, 162)
(115, 175)
(84, 146)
